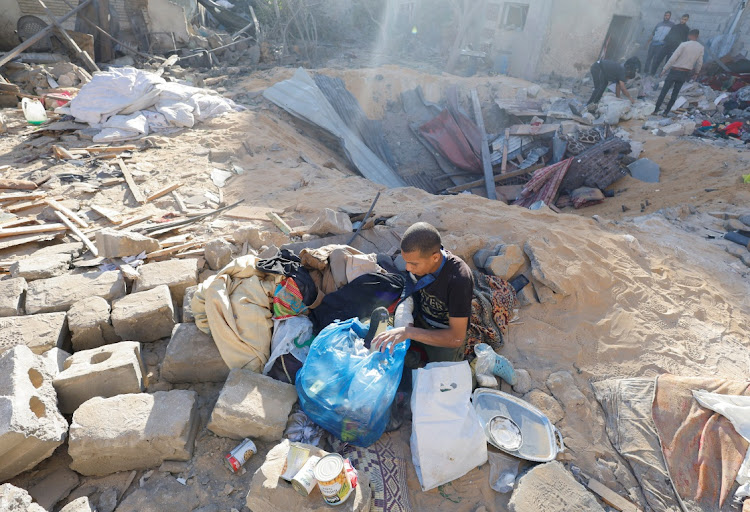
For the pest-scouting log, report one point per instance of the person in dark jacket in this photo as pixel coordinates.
(656, 42)
(605, 72)
(677, 35)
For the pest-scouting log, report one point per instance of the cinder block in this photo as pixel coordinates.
(116, 244)
(54, 360)
(187, 307)
(144, 316)
(15, 499)
(59, 293)
(192, 356)
(252, 405)
(41, 267)
(135, 431)
(38, 332)
(89, 324)
(12, 292)
(177, 274)
(105, 371)
(31, 427)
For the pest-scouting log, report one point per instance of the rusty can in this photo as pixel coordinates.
(304, 481)
(241, 454)
(330, 472)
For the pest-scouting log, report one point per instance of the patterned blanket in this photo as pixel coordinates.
(491, 311)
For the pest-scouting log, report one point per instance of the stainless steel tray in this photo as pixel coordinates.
(541, 439)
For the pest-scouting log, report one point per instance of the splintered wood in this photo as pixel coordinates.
(137, 194)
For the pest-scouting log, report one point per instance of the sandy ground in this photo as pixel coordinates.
(638, 293)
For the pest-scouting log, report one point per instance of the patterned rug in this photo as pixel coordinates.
(386, 471)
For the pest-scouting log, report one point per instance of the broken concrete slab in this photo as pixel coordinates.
(31, 427)
(545, 403)
(12, 294)
(645, 170)
(218, 253)
(135, 431)
(49, 489)
(187, 304)
(117, 244)
(545, 265)
(15, 499)
(331, 222)
(177, 274)
(192, 356)
(41, 267)
(554, 489)
(252, 405)
(144, 316)
(72, 248)
(54, 360)
(38, 332)
(270, 493)
(509, 260)
(89, 324)
(81, 504)
(105, 371)
(564, 389)
(59, 293)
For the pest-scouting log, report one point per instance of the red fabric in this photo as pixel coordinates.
(733, 128)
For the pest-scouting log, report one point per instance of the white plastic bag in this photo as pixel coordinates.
(287, 335)
(447, 439)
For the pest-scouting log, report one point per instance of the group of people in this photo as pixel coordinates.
(675, 42)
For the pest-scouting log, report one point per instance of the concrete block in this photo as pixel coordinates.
(81, 504)
(331, 222)
(59, 293)
(552, 488)
(31, 427)
(12, 294)
(54, 360)
(734, 225)
(73, 248)
(117, 244)
(187, 307)
(270, 493)
(177, 274)
(89, 324)
(144, 316)
(38, 332)
(15, 499)
(105, 371)
(481, 256)
(218, 253)
(564, 389)
(135, 431)
(50, 488)
(252, 405)
(508, 261)
(41, 267)
(192, 356)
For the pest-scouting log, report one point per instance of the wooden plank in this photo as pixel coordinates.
(85, 57)
(23, 221)
(498, 179)
(486, 162)
(17, 184)
(105, 44)
(137, 194)
(279, 223)
(19, 196)
(527, 129)
(112, 181)
(163, 191)
(109, 149)
(611, 498)
(180, 203)
(67, 212)
(24, 206)
(15, 241)
(77, 232)
(31, 230)
(506, 141)
(174, 249)
(111, 215)
(134, 220)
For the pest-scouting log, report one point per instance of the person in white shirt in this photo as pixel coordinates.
(684, 64)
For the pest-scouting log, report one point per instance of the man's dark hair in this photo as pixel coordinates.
(694, 32)
(686, 16)
(422, 237)
(668, 12)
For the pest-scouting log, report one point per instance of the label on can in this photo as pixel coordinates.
(295, 459)
(332, 479)
(241, 454)
(304, 481)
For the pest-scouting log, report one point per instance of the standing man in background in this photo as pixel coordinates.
(685, 62)
(656, 41)
(676, 36)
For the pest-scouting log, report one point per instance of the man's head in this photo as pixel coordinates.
(420, 248)
(667, 15)
(684, 19)
(693, 34)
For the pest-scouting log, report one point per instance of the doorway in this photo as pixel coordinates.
(616, 43)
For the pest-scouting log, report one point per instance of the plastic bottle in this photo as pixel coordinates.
(490, 362)
(34, 111)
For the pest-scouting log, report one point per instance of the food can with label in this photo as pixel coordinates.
(332, 479)
(241, 454)
(295, 459)
(304, 481)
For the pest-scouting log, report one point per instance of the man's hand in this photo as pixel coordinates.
(389, 339)
(632, 101)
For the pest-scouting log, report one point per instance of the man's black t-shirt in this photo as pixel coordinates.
(677, 35)
(449, 296)
(612, 71)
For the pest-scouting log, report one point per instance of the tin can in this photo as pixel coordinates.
(295, 459)
(304, 481)
(332, 479)
(241, 454)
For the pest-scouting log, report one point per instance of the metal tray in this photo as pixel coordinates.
(541, 439)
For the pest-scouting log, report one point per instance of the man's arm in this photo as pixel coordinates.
(698, 64)
(452, 337)
(621, 87)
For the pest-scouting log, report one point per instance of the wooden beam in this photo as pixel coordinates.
(111, 215)
(163, 191)
(32, 230)
(20, 196)
(180, 203)
(23, 206)
(498, 178)
(22, 221)
(174, 249)
(17, 184)
(109, 149)
(137, 194)
(77, 232)
(486, 162)
(85, 57)
(504, 165)
(132, 221)
(105, 44)
(611, 498)
(67, 212)
(279, 223)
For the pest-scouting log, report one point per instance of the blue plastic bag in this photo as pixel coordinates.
(345, 388)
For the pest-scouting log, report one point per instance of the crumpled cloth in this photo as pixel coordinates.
(333, 266)
(491, 310)
(235, 308)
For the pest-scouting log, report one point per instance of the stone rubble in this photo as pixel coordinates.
(59, 293)
(40, 333)
(188, 345)
(12, 295)
(177, 274)
(144, 316)
(117, 244)
(89, 324)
